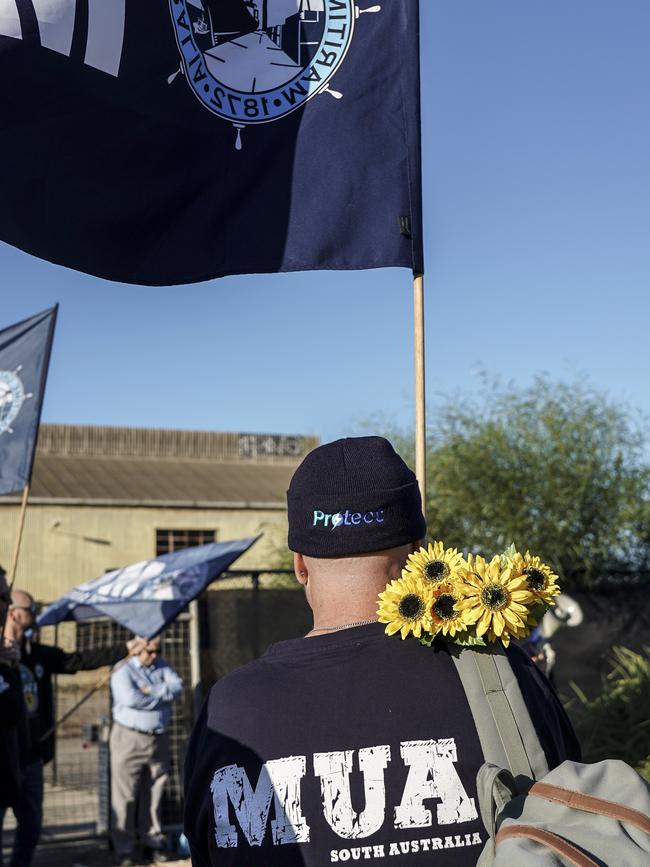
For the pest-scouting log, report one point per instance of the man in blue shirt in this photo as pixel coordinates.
(143, 690)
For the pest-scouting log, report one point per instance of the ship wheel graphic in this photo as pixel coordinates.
(255, 61)
(12, 397)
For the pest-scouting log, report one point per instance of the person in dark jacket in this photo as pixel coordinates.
(38, 662)
(347, 744)
(13, 716)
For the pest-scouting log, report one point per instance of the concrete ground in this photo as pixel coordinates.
(84, 854)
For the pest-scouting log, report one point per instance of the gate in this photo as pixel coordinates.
(238, 617)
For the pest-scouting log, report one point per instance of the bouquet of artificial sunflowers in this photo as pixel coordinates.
(468, 600)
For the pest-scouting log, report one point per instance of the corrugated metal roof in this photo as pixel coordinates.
(124, 481)
(136, 466)
(86, 440)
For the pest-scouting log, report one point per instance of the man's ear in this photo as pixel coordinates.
(300, 569)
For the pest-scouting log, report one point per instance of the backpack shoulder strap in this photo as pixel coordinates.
(505, 729)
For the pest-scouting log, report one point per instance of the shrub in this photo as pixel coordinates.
(616, 724)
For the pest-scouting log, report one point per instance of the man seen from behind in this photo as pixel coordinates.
(347, 744)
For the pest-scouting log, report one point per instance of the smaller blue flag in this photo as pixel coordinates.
(24, 360)
(146, 596)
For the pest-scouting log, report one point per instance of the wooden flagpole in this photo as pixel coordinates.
(14, 558)
(420, 405)
(19, 537)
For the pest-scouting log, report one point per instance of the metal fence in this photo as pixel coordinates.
(238, 617)
(241, 614)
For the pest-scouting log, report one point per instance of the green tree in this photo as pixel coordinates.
(557, 468)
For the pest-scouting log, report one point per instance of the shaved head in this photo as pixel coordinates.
(22, 612)
(21, 598)
(345, 589)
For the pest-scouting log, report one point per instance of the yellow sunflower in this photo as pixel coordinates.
(540, 579)
(444, 612)
(404, 606)
(495, 600)
(435, 564)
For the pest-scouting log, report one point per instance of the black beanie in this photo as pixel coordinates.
(353, 496)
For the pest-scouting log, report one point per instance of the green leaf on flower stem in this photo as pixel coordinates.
(538, 612)
(468, 639)
(508, 555)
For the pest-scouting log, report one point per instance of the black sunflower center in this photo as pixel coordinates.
(494, 596)
(535, 579)
(444, 607)
(411, 606)
(436, 570)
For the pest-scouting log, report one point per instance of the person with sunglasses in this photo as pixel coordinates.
(143, 690)
(37, 664)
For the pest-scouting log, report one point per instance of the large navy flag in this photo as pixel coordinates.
(146, 596)
(179, 140)
(24, 360)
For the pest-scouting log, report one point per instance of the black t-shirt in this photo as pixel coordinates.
(38, 662)
(349, 746)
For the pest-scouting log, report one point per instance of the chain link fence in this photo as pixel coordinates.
(239, 616)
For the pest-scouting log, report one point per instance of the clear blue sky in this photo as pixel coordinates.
(536, 128)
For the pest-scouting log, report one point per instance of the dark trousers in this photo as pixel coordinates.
(28, 811)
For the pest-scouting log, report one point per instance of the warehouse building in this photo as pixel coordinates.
(104, 497)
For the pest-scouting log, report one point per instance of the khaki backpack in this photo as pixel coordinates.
(590, 815)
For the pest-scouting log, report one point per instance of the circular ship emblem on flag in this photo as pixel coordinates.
(12, 397)
(256, 61)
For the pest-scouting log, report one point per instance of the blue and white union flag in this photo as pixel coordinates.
(144, 597)
(24, 360)
(174, 141)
